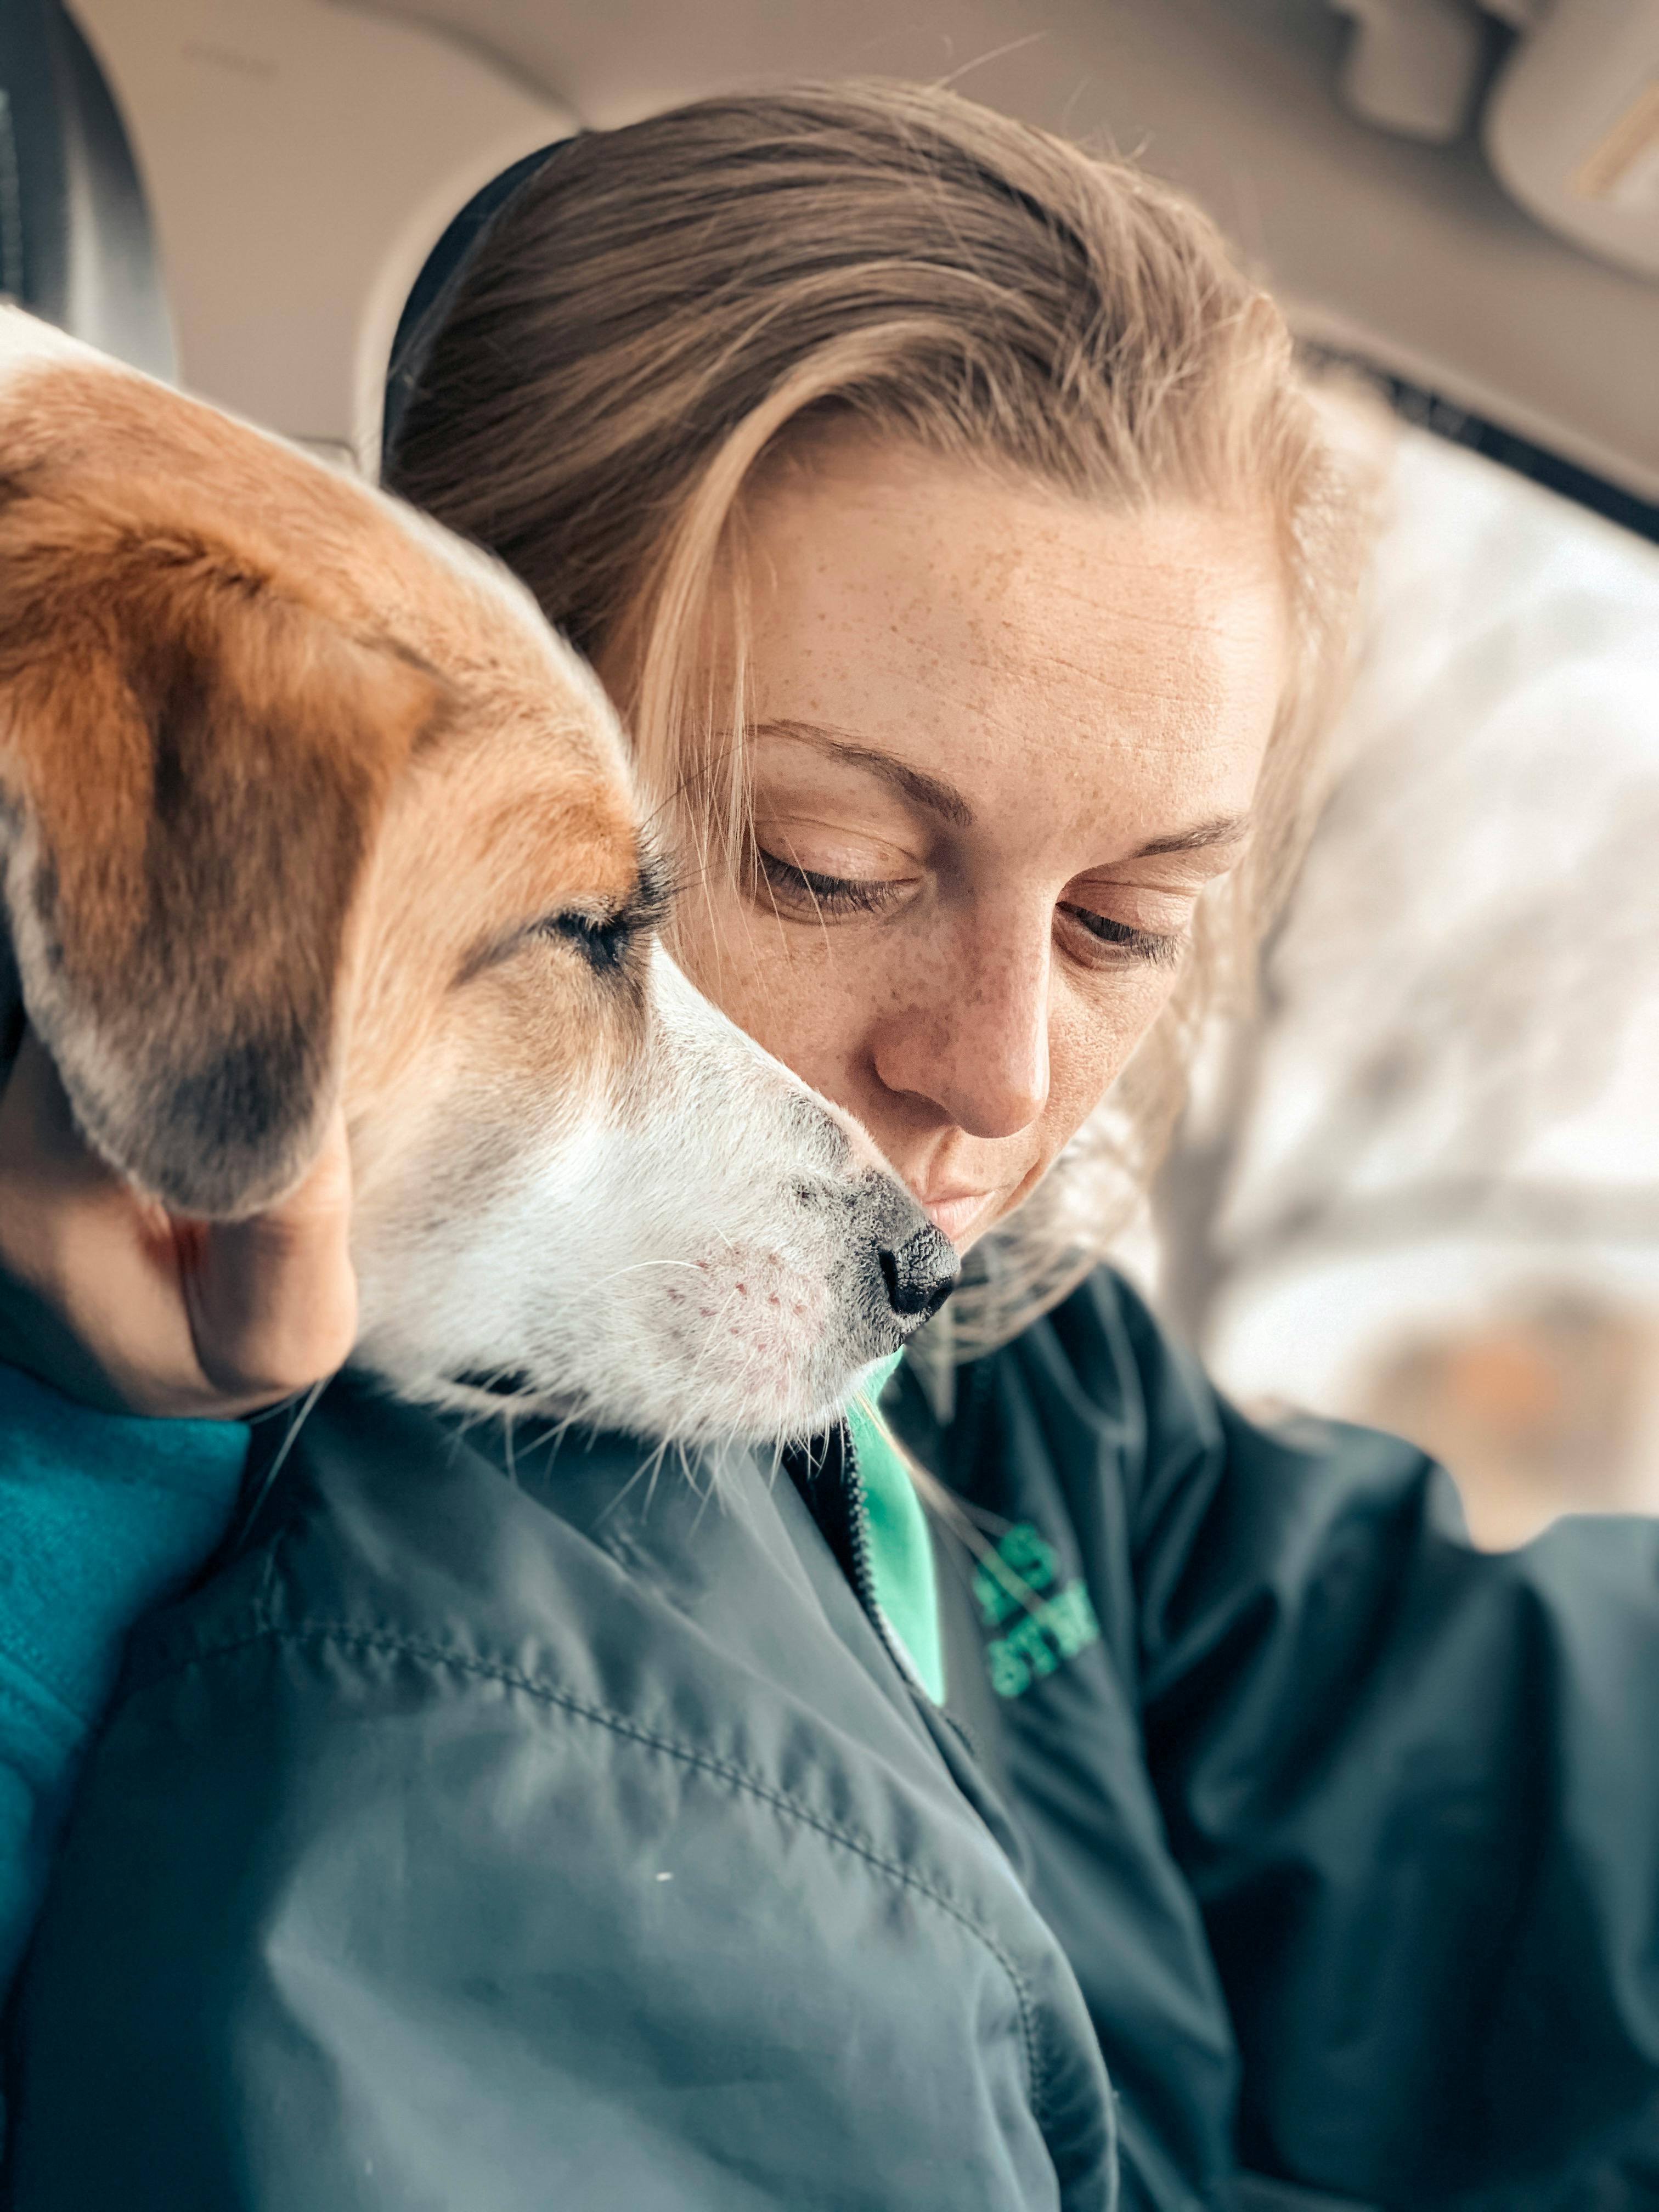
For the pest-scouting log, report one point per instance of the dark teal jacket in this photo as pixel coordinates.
(496, 1829)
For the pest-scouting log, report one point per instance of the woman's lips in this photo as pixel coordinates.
(953, 1213)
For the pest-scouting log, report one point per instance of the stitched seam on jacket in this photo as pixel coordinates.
(341, 1633)
(62, 1712)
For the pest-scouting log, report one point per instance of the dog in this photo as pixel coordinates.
(301, 799)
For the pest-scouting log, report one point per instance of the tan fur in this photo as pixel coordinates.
(280, 765)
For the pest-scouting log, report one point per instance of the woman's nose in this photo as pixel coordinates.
(975, 1041)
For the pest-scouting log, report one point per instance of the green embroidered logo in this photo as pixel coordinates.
(1046, 1629)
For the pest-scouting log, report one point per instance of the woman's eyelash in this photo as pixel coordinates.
(830, 894)
(1139, 943)
(857, 894)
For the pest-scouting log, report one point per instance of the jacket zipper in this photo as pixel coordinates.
(860, 1574)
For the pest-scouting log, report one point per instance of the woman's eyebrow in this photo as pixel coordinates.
(1224, 829)
(929, 791)
(945, 799)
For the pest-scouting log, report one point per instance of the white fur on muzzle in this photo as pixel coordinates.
(712, 1252)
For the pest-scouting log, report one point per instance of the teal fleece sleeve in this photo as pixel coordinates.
(102, 1517)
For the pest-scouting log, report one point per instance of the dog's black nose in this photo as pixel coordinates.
(920, 1274)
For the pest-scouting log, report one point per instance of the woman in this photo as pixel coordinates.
(943, 508)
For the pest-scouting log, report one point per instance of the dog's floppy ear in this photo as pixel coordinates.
(193, 770)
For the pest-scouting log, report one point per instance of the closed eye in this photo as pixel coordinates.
(808, 888)
(603, 940)
(604, 933)
(1114, 942)
(1135, 944)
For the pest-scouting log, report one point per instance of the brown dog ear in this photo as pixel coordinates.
(193, 771)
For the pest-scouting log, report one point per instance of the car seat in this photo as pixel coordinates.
(75, 242)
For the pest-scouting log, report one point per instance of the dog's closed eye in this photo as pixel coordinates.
(604, 935)
(603, 940)
(602, 932)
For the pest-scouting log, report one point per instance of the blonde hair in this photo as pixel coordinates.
(662, 308)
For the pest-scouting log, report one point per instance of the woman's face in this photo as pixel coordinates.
(1002, 741)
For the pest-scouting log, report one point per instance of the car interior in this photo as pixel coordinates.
(1415, 1186)
(1458, 198)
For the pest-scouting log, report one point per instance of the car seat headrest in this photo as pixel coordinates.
(441, 278)
(75, 243)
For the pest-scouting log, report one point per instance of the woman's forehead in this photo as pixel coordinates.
(1031, 650)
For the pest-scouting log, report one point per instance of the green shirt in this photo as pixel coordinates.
(902, 1564)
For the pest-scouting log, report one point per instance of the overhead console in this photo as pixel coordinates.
(1566, 94)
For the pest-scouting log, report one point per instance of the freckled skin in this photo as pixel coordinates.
(1087, 682)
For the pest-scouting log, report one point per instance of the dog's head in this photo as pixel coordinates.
(300, 799)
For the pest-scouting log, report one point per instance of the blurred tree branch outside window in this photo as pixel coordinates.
(1420, 1184)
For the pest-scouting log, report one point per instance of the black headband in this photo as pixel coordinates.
(441, 277)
